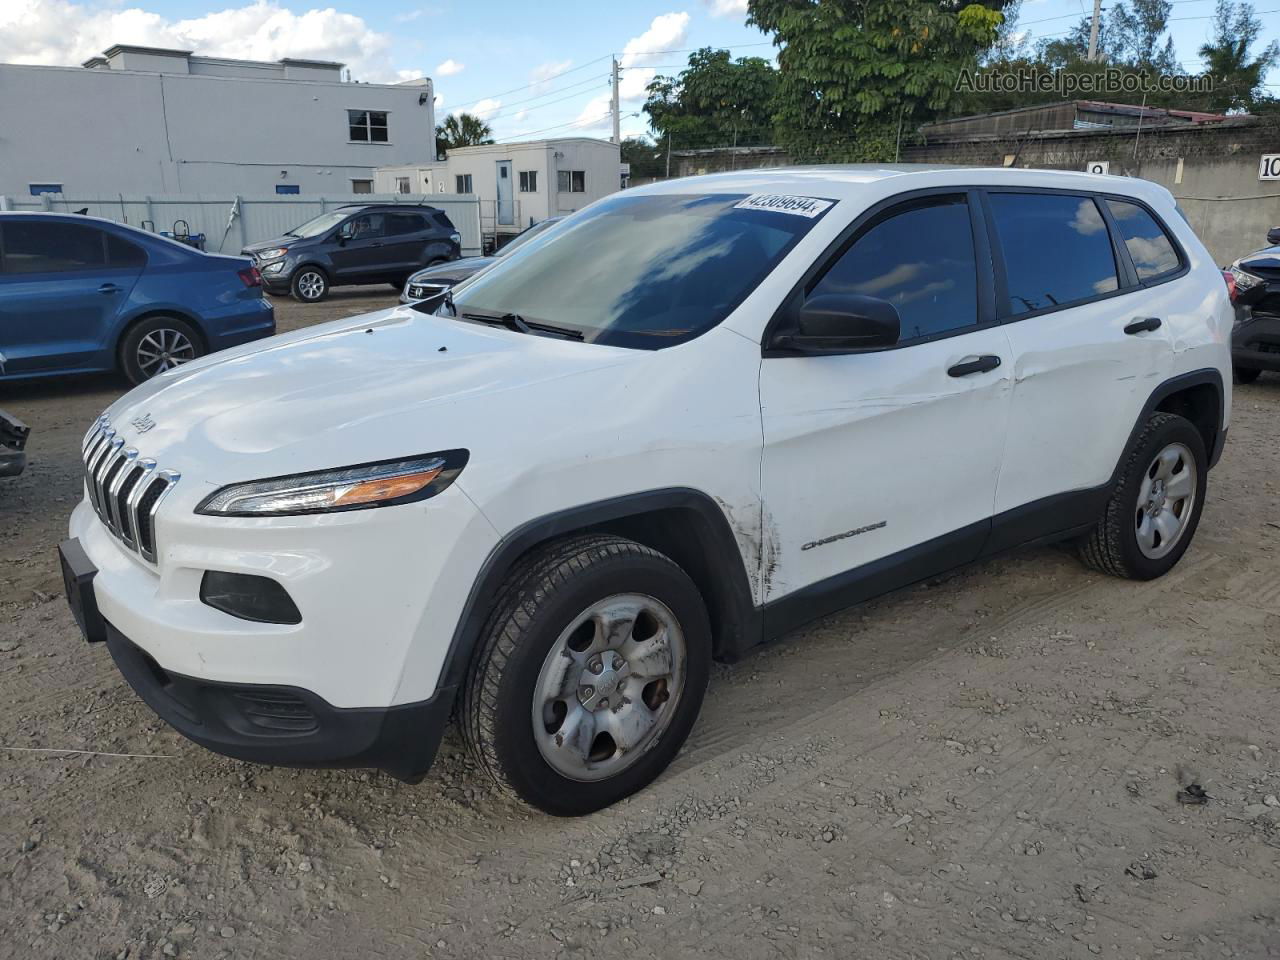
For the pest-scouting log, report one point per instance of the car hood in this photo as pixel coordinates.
(387, 384)
(453, 270)
(1266, 260)
(251, 248)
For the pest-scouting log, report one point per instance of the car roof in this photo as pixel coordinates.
(848, 181)
(388, 206)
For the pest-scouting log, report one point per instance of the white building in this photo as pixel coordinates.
(142, 120)
(517, 184)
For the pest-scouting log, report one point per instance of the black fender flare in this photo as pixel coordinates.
(715, 536)
(1209, 376)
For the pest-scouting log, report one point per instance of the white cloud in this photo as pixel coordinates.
(544, 72)
(667, 31)
(485, 109)
(727, 8)
(449, 68)
(65, 32)
(438, 101)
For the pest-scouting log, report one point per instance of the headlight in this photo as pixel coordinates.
(382, 484)
(275, 253)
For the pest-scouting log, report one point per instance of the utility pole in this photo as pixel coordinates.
(1093, 30)
(617, 119)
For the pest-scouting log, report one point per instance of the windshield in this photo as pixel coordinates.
(318, 225)
(643, 271)
(524, 237)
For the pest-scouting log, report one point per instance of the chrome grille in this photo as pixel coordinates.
(124, 488)
(421, 291)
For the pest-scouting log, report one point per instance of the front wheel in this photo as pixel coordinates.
(1153, 512)
(158, 344)
(309, 285)
(591, 672)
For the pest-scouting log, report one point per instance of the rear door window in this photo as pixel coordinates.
(1056, 248)
(123, 253)
(399, 224)
(1152, 252)
(921, 259)
(34, 246)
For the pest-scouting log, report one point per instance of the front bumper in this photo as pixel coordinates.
(12, 462)
(1255, 340)
(286, 726)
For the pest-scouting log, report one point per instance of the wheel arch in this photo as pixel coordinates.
(1198, 396)
(685, 524)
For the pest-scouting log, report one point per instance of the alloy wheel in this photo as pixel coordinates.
(164, 349)
(1166, 500)
(311, 285)
(609, 687)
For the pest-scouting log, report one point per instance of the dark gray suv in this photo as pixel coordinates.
(357, 243)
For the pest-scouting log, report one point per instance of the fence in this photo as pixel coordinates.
(229, 222)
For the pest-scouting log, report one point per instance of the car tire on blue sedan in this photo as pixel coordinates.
(157, 344)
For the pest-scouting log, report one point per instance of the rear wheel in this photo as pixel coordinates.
(309, 285)
(158, 344)
(1155, 508)
(591, 673)
(1245, 374)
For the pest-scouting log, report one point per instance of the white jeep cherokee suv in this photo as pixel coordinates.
(697, 415)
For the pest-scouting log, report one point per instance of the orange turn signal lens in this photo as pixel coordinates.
(371, 491)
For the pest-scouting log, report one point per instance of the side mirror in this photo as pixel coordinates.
(840, 323)
(1273, 236)
(346, 231)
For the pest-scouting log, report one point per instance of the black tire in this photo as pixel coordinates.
(309, 284)
(138, 347)
(1245, 374)
(541, 597)
(1112, 546)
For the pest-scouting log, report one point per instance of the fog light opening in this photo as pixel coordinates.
(248, 597)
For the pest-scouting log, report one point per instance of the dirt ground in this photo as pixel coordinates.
(982, 766)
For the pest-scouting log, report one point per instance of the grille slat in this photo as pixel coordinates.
(124, 490)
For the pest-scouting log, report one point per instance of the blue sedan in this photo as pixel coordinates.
(79, 295)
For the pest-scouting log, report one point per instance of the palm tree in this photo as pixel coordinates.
(462, 130)
(1237, 78)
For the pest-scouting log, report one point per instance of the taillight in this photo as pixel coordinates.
(250, 276)
(1230, 278)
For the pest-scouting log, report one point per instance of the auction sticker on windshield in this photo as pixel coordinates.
(779, 203)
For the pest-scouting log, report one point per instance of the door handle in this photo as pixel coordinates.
(108, 288)
(1142, 325)
(981, 365)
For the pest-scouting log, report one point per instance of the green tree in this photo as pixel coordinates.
(462, 130)
(1136, 35)
(646, 158)
(715, 101)
(1237, 79)
(854, 74)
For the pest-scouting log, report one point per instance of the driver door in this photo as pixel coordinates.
(360, 247)
(880, 468)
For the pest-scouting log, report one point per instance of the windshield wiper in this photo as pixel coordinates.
(513, 321)
(288, 233)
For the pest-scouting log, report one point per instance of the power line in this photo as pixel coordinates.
(539, 81)
(549, 103)
(559, 126)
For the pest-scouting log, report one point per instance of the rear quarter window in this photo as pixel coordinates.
(1152, 252)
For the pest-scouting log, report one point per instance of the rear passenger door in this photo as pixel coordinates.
(406, 235)
(880, 467)
(62, 286)
(1087, 347)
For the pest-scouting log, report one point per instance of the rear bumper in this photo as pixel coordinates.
(254, 322)
(286, 726)
(1255, 341)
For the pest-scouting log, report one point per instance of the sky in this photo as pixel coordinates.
(530, 69)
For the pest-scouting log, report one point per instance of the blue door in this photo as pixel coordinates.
(506, 205)
(61, 288)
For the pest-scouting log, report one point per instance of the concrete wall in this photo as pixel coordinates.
(118, 131)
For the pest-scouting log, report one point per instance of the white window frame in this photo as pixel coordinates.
(528, 181)
(463, 179)
(369, 126)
